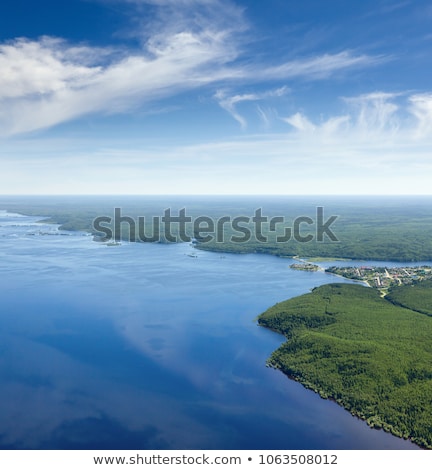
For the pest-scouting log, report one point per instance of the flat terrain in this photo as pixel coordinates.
(367, 228)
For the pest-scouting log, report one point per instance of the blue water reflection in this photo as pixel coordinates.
(141, 346)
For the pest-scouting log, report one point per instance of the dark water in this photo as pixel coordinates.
(141, 346)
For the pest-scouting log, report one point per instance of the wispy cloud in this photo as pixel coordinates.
(49, 81)
(300, 122)
(333, 156)
(320, 67)
(32, 68)
(229, 102)
(265, 115)
(392, 6)
(368, 116)
(44, 83)
(190, 44)
(380, 144)
(421, 108)
(376, 111)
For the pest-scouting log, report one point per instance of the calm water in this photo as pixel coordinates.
(143, 346)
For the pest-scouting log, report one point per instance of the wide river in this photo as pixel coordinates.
(149, 346)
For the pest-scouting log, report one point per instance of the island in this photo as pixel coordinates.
(369, 353)
(305, 267)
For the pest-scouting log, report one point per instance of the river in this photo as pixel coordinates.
(150, 346)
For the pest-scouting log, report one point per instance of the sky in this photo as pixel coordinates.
(216, 97)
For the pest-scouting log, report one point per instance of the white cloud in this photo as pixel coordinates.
(376, 111)
(49, 81)
(320, 67)
(41, 85)
(335, 124)
(39, 68)
(300, 122)
(339, 161)
(370, 116)
(264, 115)
(190, 44)
(380, 144)
(421, 108)
(229, 102)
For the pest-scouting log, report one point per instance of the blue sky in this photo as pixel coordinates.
(215, 97)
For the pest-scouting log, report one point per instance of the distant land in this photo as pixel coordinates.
(367, 228)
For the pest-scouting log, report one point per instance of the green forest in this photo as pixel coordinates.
(371, 356)
(417, 297)
(367, 228)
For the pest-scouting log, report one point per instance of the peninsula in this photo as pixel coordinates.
(371, 354)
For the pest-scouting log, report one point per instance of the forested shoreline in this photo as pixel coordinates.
(372, 357)
(367, 228)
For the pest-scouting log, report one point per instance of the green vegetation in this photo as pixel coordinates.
(374, 358)
(304, 267)
(388, 229)
(368, 228)
(417, 297)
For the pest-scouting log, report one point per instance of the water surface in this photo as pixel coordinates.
(143, 346)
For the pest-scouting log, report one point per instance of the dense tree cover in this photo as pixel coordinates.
(405, 241)
(417, 297)
(380, 228)
(374, 358)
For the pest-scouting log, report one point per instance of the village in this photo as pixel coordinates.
(384, 277)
